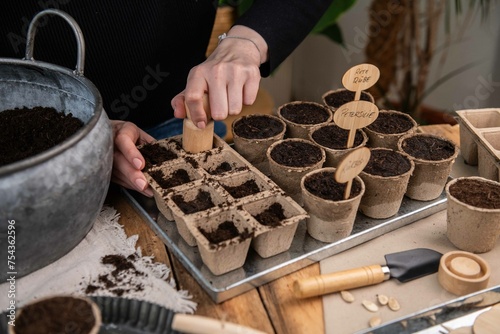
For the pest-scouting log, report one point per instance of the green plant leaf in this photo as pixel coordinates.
(334, 33)
(334, 11)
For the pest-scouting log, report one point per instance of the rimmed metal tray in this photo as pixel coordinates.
(304, 249)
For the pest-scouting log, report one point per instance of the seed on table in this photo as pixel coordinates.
(347, 296)
(375, 321)
(393, 304)
(382, 299)
(370, 306)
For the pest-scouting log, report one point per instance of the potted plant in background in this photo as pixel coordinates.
(405, 46)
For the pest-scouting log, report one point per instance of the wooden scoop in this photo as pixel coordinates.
(194, 139)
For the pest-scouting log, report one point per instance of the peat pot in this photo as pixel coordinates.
(51, 200)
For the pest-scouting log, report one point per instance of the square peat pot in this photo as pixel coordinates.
(190, 203)
(166, 178)
(223, 238)
(245, 187)
(220, 162)
(164, 151)
(275, 233)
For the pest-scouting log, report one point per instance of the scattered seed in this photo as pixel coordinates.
(393, 304)
(382, 299)
(375, 321)
(347, 296)
(370, 306)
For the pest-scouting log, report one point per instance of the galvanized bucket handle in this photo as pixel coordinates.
(30, 40)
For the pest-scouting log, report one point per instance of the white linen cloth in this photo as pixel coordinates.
(72, 274)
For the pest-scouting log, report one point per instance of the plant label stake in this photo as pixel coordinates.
(351, 166)
(194, 139)
(357, 114)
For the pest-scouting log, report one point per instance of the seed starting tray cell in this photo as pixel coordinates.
(261, 264)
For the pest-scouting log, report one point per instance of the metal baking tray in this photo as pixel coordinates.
(304, 249)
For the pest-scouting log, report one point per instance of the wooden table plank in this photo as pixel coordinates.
(288, 314)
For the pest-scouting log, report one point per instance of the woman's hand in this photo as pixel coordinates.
(127, 160)
(230, 76)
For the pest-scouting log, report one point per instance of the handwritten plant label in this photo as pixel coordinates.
(355, 114)
(351, 166)
(360, 77)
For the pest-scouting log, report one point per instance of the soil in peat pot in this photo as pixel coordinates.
(225, 231)
(388, 123)
(272, 216)
(245, 189)
(201, 202)
(337, 99)
(296, 154)
(476, 193)
(334, 137)
(257, 127)
(304, 113)
(323, 185)
(26, 132)
(387, 163)
(54, 315)
(428, 148)
(155, 154)
(180, 176)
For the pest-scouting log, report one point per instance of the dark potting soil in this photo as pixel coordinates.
(247, 188)
(387, 163)
(180, 176)
(29, 131)
(428, 148)
(220, 169)
(56, 315)
(305, 113)
(480, 194)
(202, 201)
(155, 154)
(323, 185)
(272, 216)
(296, 154)
(257, 127)
(225, 231)
(120, 280)
(334, 137)
(342, 97)
(388, 123)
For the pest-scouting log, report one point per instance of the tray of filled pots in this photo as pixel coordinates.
(235, 226)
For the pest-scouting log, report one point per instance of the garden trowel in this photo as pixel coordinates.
(194, 139)
(403, 266)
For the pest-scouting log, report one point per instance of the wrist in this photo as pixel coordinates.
(251, 36)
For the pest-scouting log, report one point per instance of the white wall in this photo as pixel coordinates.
(318, 64)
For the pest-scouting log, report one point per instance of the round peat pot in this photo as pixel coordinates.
(49, 201)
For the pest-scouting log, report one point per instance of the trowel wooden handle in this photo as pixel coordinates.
(194, 139)
(342, 280)
(196, 324)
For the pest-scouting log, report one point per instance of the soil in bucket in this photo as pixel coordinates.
(26, 132)
(428, 148)
(323, 185)
(296, 154)
(304, 113)
(391, 123)
(479, 194)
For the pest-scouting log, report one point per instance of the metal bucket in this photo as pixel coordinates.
(49, 202)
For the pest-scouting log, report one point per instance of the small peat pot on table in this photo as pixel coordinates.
(301, 116)
(337, 97)
(389, 126)
(333, 139)
(331, 217)
(252, 136)
(433, 157)
(473, 213)
(290, 159)
(386, 178)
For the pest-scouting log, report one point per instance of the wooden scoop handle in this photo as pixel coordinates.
(194, 139)
(196, 324)
(342, 280)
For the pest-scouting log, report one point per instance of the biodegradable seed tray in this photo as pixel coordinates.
(266, 255)
(194, 188)
(480, 140)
